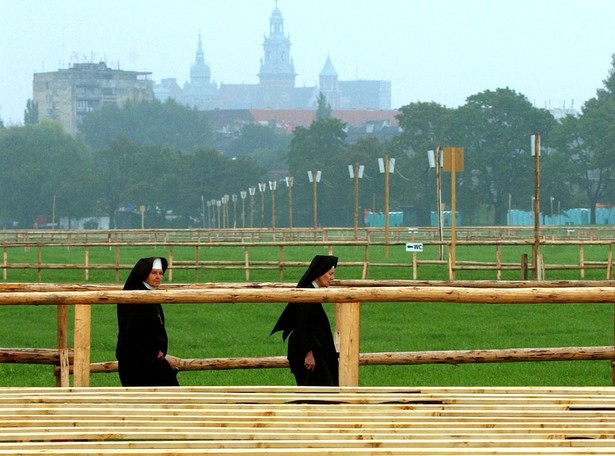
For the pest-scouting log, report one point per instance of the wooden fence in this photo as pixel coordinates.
(324, 234)
(347, 299)
(204, 256)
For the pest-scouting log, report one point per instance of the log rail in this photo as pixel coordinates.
(347, 320)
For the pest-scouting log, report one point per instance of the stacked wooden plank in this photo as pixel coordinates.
(284, 420)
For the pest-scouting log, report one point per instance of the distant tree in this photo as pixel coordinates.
(257, 139)
(209, 174)
(609, 82)
(596, 155)
(424, 127)
(564, 170)
(41, 163)
(366, 152)
(152, 182)
(495, 127)
(321, 147)
(586, 147)
(30, 115)
(323, 109)
(150, 123)
(111, 167)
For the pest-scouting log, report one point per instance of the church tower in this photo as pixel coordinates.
(328, 83)
(277, 71)
(200, 92)
(199, 71)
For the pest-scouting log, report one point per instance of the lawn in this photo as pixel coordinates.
(237, 330)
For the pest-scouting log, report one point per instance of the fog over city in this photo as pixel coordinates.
(556, 52)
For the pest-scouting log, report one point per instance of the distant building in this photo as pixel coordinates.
(276, 88)
(67, 95)
(360, 124)
(201, 92)
(560, 113)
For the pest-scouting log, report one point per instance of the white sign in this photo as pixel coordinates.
(414, 247)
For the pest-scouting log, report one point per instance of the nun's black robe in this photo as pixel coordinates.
(307, 327)
(142, 335)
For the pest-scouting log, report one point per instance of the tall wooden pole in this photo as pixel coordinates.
(356, 201)
(53, 214)
(272, 186)
(234, 198)
(289, 184)
(315, 199)
(439, 200)
(252, 191)
(261, 187)
(453, 162)
(536, 248)
(243, 195)
(386, 205)
(453, 210)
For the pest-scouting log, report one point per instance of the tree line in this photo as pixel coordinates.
(164, 157)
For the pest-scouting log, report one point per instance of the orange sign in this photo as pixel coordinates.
(453, 154)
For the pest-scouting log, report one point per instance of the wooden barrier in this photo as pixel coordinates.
(242, 235)
(435, 421)
(347, 301)
(245, 262)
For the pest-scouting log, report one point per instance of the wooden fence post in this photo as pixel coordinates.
(366, 262)
(81, 369)
(348, 323)
(63, 372)
(524, 266)
(582, 261)
(246, 262)
(117, 263)
(170, 275)
(86, 263)
(609, 267)
(39, 255)
(451, 270)
(498, 260)
(197, 259)
(280, 263)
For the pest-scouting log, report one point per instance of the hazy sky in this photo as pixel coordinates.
(555, 52)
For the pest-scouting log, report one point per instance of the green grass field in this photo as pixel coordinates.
(237, 330)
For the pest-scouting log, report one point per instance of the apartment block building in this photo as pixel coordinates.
(67, 95)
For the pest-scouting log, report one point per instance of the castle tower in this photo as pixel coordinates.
(329, 84)
(277, 71)
(200, 92)
(200, 72)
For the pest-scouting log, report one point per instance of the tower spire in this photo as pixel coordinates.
(277, 71)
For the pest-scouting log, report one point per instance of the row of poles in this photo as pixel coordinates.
(448, 159)
(218, 209)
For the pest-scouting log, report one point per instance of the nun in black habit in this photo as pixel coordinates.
(142, 340)
(312, 356)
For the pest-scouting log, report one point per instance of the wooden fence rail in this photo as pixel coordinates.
(597, 232)
(347, 320)
(247, 264)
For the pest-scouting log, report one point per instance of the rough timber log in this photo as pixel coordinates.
(535, 295)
